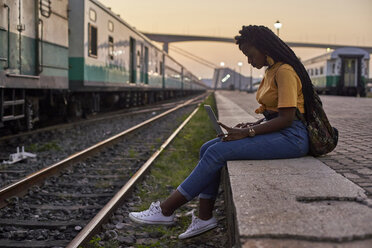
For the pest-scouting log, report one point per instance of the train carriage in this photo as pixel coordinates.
(70, 57)
(107, 54)
(33, 57)
(341, 72)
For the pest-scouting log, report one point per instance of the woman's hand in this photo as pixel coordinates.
(244, 124)
(247, 124)
(233, 133)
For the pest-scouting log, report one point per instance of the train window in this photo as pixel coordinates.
(138, 59)
(316, 71)
(45, 8)
(92, 49)
(161, 68)
(156, 61)
(321, 70)
(333, 68)
(92, 15)
(111, 47)
(110, 26)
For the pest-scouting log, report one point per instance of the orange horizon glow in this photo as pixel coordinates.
(318, 21)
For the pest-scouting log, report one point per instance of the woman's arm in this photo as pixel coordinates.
(284, 119)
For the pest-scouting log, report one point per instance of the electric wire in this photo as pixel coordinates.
(193, 57)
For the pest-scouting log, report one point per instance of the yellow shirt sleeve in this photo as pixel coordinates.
(287, 87)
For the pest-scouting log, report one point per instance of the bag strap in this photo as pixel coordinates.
(298, 113)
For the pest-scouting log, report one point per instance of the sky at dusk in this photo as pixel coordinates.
(345, 22)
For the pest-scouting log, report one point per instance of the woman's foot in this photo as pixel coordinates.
(198, 226)
(153, 215)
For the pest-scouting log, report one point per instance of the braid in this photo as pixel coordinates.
(270, 44)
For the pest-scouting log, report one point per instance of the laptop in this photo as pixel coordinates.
(213, 119)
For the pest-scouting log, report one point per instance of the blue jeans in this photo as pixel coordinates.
(204, 180)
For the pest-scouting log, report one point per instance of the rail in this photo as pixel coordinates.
(94, 225)
(20, 188)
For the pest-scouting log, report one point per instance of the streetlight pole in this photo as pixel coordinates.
(277, 25)
(240, 64)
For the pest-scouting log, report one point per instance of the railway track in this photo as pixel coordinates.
(4, 137)
(65, 205)
(58, 142)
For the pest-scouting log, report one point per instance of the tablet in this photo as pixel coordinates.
(213, 119)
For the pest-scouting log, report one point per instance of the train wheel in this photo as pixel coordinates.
(76, 109)
(29, 115)
(352, 92)
(15, 126)
(362, 92)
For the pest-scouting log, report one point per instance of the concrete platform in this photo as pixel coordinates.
(292, 202)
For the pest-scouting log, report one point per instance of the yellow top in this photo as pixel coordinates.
(286, 92)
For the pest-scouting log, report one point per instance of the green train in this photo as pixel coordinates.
(343, 71)
(73, 57)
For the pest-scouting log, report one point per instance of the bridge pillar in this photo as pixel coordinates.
(165, 47)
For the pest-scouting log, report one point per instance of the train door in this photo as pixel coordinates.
(23, 40)
(132, 62)
(141, 65)
(351, 75)
(350, 72)
(4, 36)
(146, 66)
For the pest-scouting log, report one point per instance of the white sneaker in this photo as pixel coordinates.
(153, 215)
(198, 226)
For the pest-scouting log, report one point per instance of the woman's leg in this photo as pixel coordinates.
(206, 145)
(288, 143)
(206, 207)
(176, 199)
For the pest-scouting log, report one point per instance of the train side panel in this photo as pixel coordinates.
(34, 48)
(113, 54)
(173, 74)
(53, 47)
(155, 73)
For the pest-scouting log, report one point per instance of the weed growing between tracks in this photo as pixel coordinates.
(50, 146)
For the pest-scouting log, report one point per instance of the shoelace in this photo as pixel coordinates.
(194, 222)
(153, 209)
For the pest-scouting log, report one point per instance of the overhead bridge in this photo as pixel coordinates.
(169, 38)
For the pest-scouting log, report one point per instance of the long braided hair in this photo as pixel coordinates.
(263, 39)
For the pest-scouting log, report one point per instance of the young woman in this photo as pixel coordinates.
(285, 87)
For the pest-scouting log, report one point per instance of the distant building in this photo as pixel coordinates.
(208, 82)
(226, 78)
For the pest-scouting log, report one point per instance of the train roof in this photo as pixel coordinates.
(336, 53)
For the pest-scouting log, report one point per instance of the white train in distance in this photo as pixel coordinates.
(343, 71)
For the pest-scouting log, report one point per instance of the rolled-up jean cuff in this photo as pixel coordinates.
(184, 193)
(206, 196)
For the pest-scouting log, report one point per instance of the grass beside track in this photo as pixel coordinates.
(171, 168)
(168, 171)
(179, 158)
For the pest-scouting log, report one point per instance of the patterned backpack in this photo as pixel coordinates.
(323, 137)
